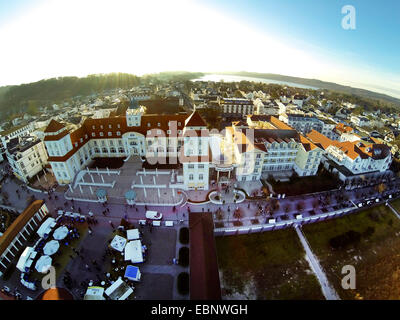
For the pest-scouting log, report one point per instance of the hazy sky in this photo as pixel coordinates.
(50, 38)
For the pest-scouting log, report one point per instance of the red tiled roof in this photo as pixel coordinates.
(54, 126)
(18, 224)
(307, 144)
(195, 120)
(118, 124)
(319, 139)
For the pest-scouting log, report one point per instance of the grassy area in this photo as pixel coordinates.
(396, 205)
(301, 185)
(267, 265)
(375, 255)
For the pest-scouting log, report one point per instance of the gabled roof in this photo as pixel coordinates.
(18, 224)
(54, 126)
(319, 139)
(195, 120)
(307, 144)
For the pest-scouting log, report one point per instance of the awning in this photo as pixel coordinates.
(46, 227)
(133, 251)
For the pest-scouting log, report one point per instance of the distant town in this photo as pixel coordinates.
(172, 187)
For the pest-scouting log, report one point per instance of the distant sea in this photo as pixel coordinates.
(231, 78)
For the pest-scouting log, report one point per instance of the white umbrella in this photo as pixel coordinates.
(51, 247)
(43, 264)
(60, 233)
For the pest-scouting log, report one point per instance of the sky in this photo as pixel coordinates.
(50, 38)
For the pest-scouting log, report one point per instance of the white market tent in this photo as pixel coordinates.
(51, 247)
(94, 293)
(43, 264)
(23, 259)
(60, 233)
(133, 234)
(119, 290)
(118, 243)
(46, 227)
(133, 251)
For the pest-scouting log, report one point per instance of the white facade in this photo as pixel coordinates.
(27, 159)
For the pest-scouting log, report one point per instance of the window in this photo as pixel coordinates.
(190, 176)
(93, 127)
(109, 134)
(200, 176)
(201, 166)
(118, 133)
(191, 166)
(118, 126)
(101, 126)
(101, 134)
(110, 126)
(93, 134)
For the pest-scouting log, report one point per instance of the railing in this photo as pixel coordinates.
(227, 231)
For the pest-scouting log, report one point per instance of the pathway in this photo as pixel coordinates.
(327, 290)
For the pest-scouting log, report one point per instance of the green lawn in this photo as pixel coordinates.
(375, 257)
(396, 205)
(267, 265)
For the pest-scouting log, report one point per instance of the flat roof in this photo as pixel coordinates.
(204, 276)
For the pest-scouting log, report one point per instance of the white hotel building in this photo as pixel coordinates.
(131, 132)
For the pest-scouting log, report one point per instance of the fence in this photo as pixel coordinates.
(229, 231)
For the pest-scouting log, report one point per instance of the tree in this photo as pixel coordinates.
(237, 214)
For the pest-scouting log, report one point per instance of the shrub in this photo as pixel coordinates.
(183, 283)
(184, 256)
(184, 235)
(345, 239)
(255, 221)
(369, 232)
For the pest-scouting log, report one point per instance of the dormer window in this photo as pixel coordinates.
(101, 126)
(101, 134)
(93, 134)
(76, 144)
(81, 140)
(110, 126)
(93, 127)
(109, 134)
(86, 136)
(118, 126)
(158, 124)
(148, 124)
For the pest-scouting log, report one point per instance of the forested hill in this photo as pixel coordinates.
(29, 97)
(15, 99)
